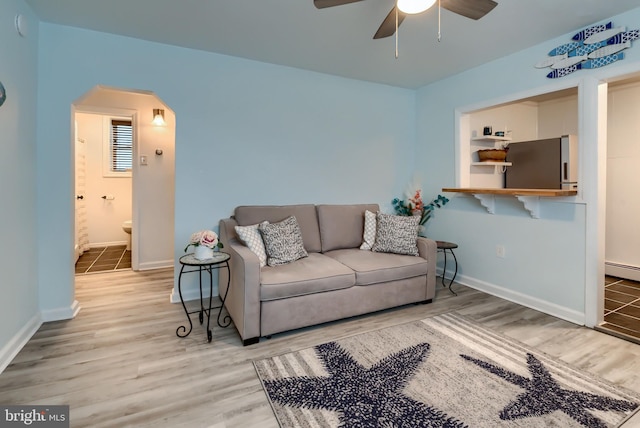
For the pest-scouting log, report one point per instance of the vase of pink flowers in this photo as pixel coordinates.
(204, 241)
(414, 205)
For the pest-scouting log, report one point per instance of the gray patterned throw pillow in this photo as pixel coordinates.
(251, 237)
(397, 234)
(283, 241)
(369, 236)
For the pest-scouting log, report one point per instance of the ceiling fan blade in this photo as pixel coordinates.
(474, 9)
(388, 26)
(321, 4)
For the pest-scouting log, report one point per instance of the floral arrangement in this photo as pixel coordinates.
(206, 238)
(414, 205)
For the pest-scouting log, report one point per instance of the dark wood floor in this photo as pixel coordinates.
(622, 307)
(101, 259)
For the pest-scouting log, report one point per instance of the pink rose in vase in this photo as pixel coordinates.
(209, 239)
(204, 238)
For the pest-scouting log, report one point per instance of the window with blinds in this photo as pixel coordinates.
(121, 158)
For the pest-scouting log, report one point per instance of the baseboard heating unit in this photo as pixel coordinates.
(622, 271)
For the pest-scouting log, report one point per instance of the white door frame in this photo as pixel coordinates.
(133, 114)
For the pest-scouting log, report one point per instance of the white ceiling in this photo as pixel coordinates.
(336, 40)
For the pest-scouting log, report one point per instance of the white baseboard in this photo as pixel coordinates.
(155, 265)
(59, 314)
(17, 342)
(562, 312)
(192, 294)
(11, 349)
(107, 244)
(622, 271)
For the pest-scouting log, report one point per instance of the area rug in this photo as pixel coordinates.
(444, 371)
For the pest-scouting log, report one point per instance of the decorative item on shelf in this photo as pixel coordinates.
(487, 130)
(414, 205)
(204, 241)
(493, 155)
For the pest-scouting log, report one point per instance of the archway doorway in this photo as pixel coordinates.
(150, 203)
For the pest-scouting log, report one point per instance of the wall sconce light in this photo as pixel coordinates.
(158, 117)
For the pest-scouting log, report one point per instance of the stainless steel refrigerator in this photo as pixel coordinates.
(551, 163)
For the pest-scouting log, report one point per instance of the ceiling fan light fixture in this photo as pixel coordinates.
(413, 7)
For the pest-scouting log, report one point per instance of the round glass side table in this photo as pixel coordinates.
(190, 264)
(445, 246)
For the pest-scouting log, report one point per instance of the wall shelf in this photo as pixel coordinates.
(499, 167)
(490, 139)
(530, 198)
(489, 163)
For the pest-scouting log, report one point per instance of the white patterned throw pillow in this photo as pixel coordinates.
(397, 234)
(283, 241)
(369, 236)
(251, 237)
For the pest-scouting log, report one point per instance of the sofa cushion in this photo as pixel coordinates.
(305, 214)
(397, 234)
(374, 268)
(314, 274)
(282, 241)
(342, 226)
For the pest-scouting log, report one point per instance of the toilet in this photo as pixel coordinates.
(126, 226)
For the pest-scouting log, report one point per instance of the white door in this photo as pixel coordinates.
(81, 235)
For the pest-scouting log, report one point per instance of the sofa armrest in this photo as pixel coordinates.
(427, 248)
(243, 298)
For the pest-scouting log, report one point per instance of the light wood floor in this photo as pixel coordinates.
(119, 363)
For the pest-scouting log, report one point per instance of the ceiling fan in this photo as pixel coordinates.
(474, 9)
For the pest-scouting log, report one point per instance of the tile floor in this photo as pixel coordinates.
(101, 259)
(622, 307)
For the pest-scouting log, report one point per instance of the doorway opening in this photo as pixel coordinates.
(125, 180)
(622, 258)
(103, 182)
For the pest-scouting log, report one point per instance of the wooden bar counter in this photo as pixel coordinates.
(513, 192)
(530, 198)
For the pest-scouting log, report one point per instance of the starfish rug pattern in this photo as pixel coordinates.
(363, 397)
(544, 395)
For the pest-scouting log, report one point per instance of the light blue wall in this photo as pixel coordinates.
(20, 239)
(254, 133)
(545, 258)
(246, 133)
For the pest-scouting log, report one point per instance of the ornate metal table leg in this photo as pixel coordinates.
(444, 269)
(184, 329)
(455, 273)
(201, 313)
(227, 318)
(210, 270)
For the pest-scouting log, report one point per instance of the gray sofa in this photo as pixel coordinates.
(336, 280)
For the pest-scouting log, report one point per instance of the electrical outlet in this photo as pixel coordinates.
(500, 251)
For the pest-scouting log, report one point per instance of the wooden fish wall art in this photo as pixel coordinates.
(592, 47)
